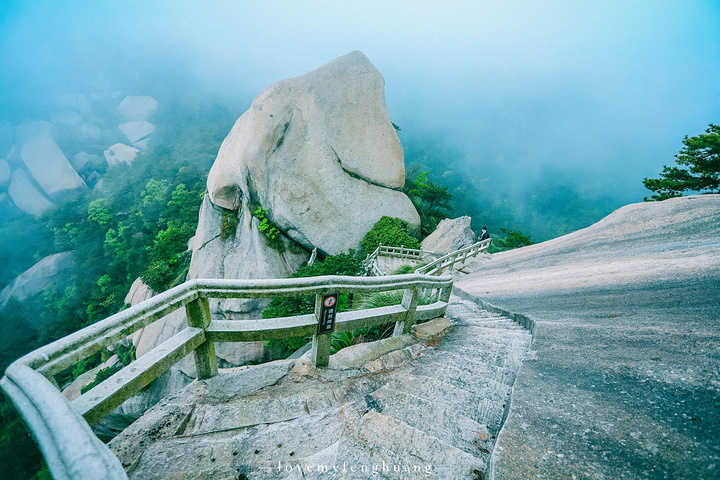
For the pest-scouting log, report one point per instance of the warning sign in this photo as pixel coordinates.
(328, 311)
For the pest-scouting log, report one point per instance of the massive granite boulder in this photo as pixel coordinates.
(26, 196)
(51, 169)
(319, 152)
(450, 235)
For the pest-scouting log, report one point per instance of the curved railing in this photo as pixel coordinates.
(449, 260)
(62, 428)
(371, 265)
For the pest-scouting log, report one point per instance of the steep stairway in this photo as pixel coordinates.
(439, 411)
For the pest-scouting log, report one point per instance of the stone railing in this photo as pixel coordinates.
(370, 261)
(449, 260)
(62, 428)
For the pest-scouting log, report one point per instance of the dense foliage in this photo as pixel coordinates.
(512, 239)
(698, 170)
(391, 232)
(137, 224)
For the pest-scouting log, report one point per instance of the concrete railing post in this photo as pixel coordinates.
(445, 294)
(320, 343)
(198, 316)
(409, 302)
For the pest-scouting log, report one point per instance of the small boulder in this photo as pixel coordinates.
(89, 132)
(34, 280)
(75, 103)
(26, 196)
(136, 131)
(51, 169)
(137, 108)
(5, 173)
(450, 235)
(120, 153)
(81, 161)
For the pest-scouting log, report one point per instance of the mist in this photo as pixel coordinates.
(526, 109)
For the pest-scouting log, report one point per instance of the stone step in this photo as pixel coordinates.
(452, 396)
(449, 426)
(407, 452)
(468, 369)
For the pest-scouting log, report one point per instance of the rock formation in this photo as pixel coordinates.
(137, 108)
(51, 169)
(120, 153)
(26, 195)
(321, 155)
(33, 280)
(450, 235)
(137, 133)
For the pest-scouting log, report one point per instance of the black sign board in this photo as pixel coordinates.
(328, 310)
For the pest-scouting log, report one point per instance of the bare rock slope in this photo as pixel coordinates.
(622, 380)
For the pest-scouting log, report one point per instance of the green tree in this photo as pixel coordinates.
(431, 200)
(513, 239)
(698, 171)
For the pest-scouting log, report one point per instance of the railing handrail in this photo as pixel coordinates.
(449, 259)
(48, 414)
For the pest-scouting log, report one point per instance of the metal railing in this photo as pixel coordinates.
(62, 428)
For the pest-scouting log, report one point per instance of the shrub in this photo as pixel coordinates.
(392, 232)
(102, 375)
(229, 224)
(274, 237)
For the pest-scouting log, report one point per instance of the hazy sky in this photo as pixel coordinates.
(604, 90)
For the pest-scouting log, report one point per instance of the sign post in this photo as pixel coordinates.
(328, 312)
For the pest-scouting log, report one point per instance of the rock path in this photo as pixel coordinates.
(432, 410)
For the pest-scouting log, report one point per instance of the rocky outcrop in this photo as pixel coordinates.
(34, 280)
(26, 196)
(137, 108)
(80, 161)
(330, 130)
(138, 133)
(120, 153)
(450, 235)
(320, 154)
(51, 169)
(623, 374)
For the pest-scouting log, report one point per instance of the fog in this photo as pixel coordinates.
(518, 98)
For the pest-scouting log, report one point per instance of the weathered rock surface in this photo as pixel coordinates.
(450, 235)
(33, 280)
(89, 132)
(138, 108)
(137, 131)
(26, 195)
(120, 153)
(320, 152)
(51, 169)
(622, 380)
(5, 173)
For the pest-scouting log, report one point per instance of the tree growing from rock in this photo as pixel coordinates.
(698, 170)
(431, 200)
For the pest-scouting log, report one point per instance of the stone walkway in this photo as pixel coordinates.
(429, 409)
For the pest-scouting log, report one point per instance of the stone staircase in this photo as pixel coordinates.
(439, 410)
